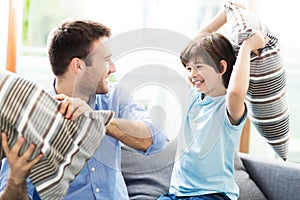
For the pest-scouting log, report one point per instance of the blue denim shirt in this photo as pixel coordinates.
(101, 177)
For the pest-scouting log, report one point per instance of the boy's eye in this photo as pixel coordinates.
(188, 69)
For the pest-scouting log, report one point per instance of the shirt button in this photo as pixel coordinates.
(93, 169)
(97, 190)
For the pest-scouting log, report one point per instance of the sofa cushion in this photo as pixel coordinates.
(148, 176)
(267, 93)
(248, 188)
(278, 179)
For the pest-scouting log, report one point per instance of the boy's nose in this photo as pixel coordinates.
(194, 72)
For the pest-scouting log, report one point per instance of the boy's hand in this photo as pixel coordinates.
(256, 42)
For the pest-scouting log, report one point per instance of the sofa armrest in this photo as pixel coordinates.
(277, 179)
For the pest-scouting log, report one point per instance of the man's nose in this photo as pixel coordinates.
(112, 68)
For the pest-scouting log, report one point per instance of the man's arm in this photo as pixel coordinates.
(14, 191)
(132, 133)
(20, 166)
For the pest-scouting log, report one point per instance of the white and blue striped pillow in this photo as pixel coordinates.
(27, 110)
(267, 94)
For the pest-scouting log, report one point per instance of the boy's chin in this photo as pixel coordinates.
(198, 89)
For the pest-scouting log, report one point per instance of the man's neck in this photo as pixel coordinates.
(67, 88)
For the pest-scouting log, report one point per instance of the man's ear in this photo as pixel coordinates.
(223, 68)
(75, 64)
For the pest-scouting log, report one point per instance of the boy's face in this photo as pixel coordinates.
(94, 79)
(203, 77)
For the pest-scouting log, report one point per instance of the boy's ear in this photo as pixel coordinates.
(75, 64)
(223, 69)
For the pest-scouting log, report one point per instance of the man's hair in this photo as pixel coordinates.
(73, 38)
(212, 48)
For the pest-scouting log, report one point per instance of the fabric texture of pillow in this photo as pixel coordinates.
(267, 94)
(29, 111)
(148, 177)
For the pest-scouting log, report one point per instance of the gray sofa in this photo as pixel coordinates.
(147, 177)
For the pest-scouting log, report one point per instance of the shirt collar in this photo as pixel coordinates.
(200, 99)
(53, 90)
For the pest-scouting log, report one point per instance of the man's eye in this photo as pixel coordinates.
(188, 69)
(108, 60)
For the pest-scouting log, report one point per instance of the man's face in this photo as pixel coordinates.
(94, 76)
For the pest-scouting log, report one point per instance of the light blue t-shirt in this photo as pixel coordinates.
(206, 148)
(101, 178)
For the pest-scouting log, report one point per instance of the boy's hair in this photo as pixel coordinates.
(73, 38)
(212, 48)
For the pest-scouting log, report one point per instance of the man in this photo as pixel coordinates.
(81, 61)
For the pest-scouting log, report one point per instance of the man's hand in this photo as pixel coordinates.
(72, 108)
(20, 167)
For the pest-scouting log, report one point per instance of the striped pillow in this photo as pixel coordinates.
(267, 94)
(27, 110)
